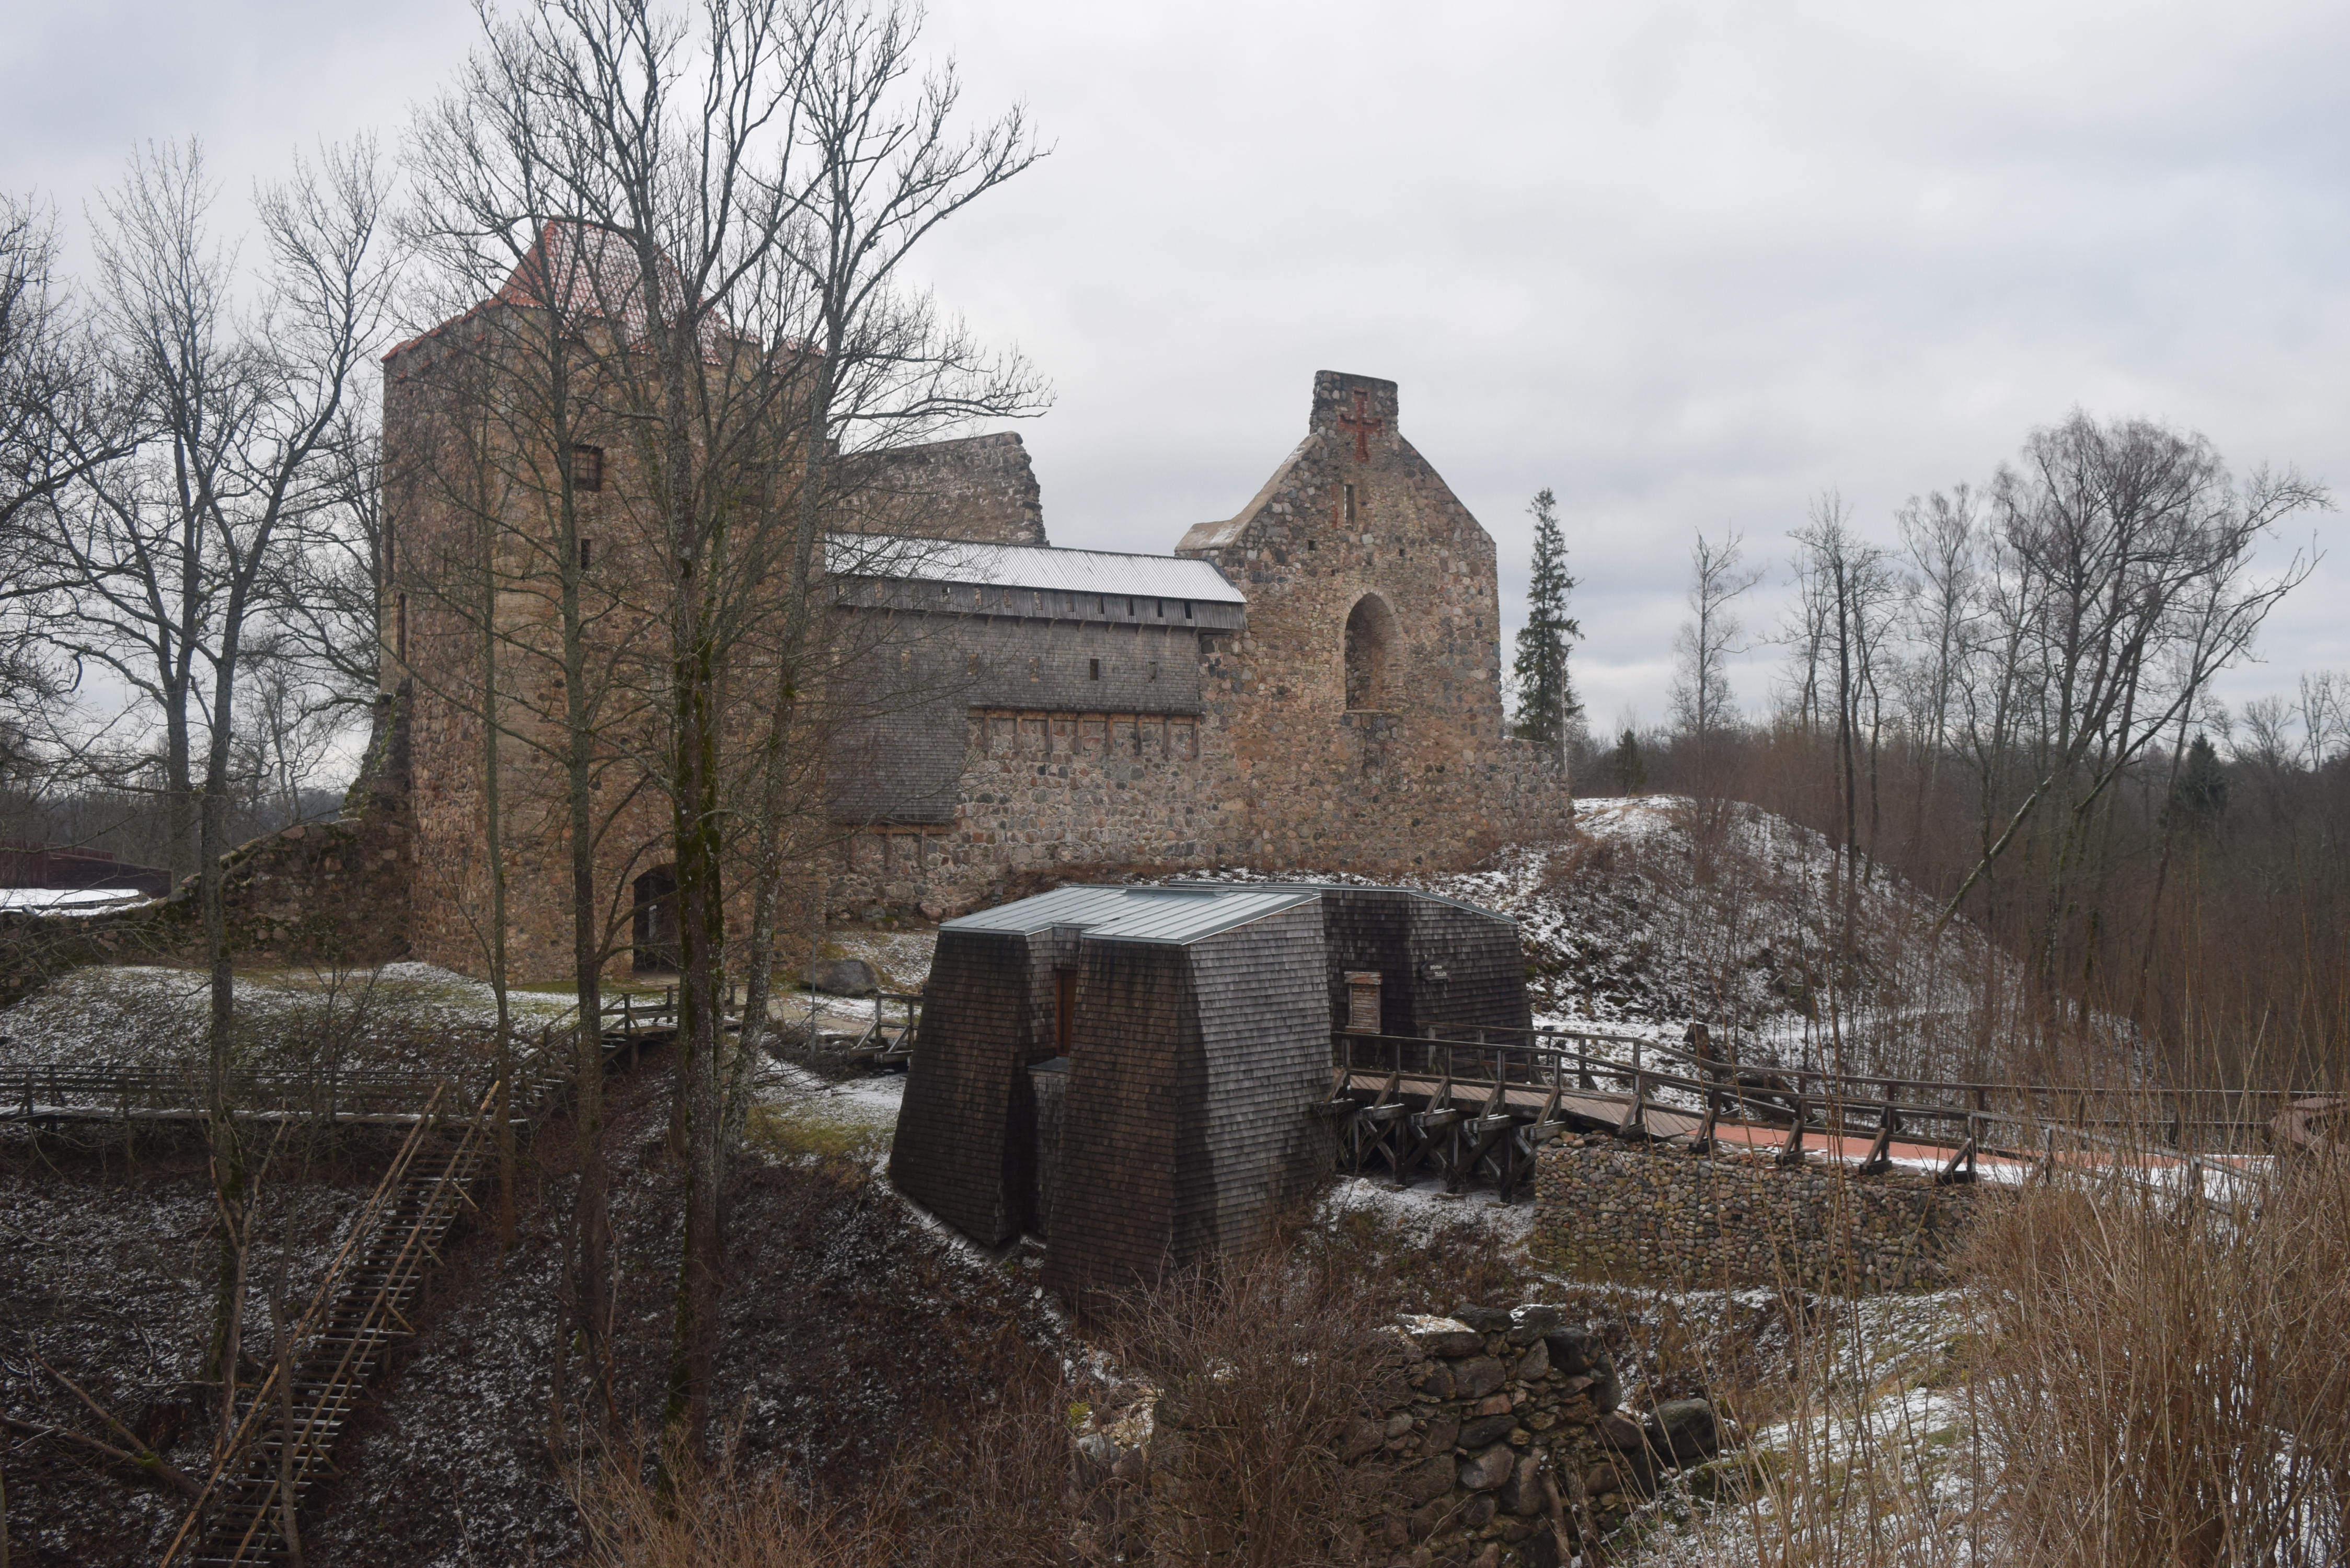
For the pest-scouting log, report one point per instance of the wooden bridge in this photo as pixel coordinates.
(1475, 1106)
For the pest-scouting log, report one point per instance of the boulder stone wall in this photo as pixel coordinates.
(1660, 1213)
(1502, 1445)
(332, 893)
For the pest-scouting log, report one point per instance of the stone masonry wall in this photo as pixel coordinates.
(980, 487)
(1415, 776)
(1406, 767)
(1047, 792)
(1502, 1445)
(1661, 1213)
(329, 893)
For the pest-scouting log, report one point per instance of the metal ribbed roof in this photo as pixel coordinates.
(1376, 888)
(1170, 915)
(1028, 567)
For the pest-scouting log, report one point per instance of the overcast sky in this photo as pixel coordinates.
(1687, 264)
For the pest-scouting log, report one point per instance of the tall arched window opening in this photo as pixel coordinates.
(1370, 653)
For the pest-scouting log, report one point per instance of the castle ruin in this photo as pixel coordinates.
(1314, 683)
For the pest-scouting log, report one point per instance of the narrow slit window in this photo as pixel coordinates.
(1129, 607)
(1350, 504)
(1093, 670)
(587, 467)
(586, 553)
(1187, 610)
(1362, 1001)
(1154, 670)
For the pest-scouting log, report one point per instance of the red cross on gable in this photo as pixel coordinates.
(1362, 424)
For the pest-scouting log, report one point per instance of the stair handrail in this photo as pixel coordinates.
(360, 1225)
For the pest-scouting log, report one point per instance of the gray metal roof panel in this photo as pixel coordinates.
(1369, 887)
(1175, 916)
(1028, 567)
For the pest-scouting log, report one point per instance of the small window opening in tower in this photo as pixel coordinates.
(1093, 670)
(654, 919)
(586, 553)
(1163, 607)
(1350, 504)
(1187, 610)
(1370, 639)
(588, 468)
(1312, 545)
(1129, 607)
(1154, 670)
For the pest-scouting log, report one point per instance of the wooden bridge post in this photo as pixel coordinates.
(1793, 1153)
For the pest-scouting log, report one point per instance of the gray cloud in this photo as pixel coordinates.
(1687, 264)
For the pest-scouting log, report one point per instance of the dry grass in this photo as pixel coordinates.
(2127, 1376)
(2168, 1381)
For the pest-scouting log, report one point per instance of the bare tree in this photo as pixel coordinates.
(172, 550)
(2124, 583)
(61, 415)
(1858, 591)
(1941, 535)
(1707, 642)
(705, 220)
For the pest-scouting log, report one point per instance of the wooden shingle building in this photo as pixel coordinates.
(1132, 1072)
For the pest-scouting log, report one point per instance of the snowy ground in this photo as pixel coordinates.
(403, 1015)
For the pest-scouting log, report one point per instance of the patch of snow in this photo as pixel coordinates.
(1417, 1211)
(70, 900)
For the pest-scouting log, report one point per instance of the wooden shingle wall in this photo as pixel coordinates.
(1370, 928)
(1407, 938)
(1265, 1043)
(1485, 976)
(1130, 1118)
(966, 1131)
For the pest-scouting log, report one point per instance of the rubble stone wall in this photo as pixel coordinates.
(1051, 792)
(1502, 1445)
(1663, 1214)
(331, 893)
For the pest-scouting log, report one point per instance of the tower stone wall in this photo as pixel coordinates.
(1363, 697)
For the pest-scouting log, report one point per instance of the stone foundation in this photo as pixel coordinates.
(1660, 1213)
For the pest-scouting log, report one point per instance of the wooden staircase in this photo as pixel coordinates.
(362, 1305)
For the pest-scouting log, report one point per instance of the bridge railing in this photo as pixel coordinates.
(2184, 1120)
(29, 1091)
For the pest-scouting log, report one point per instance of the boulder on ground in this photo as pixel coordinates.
(1682, 1429)
(843, 977)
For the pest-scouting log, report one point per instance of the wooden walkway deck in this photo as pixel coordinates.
(1474, 1109)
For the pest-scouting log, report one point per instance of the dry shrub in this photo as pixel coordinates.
(2168, 1381)
(1262, 1366)
(991, 1484)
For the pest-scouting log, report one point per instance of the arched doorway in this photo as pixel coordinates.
(1371, 654)
(654, 920)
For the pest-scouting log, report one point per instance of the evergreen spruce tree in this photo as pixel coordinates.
(1629, 767)
(1545, 691)
(2198, 793)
